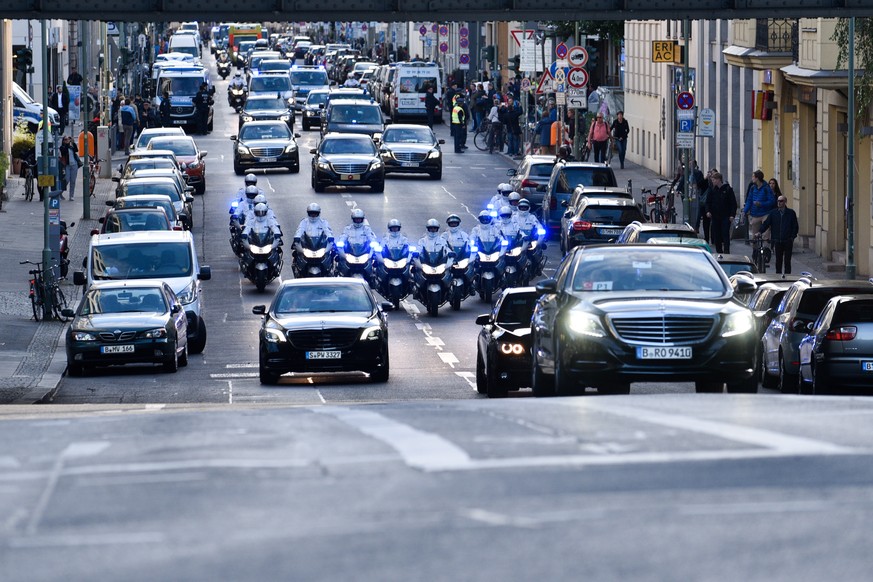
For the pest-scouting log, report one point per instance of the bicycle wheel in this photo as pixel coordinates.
(36, 304)
(655, 216)
(92, 181)
(759, 260)
(481, 141)
(28, 188)
(59, 303)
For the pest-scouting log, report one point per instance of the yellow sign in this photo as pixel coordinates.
(662, 51)
(45, 181)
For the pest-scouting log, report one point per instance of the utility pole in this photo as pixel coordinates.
(577, 114)
(686, 203)
(850, 173)
(44, 173)
(85, 102)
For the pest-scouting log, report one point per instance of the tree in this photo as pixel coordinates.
(863, 58)
(612, 30)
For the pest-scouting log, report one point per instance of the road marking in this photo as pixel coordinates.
(449, 358)
(470, 377)
(434, 341)
(320, 397)
(756, 508)
(9, 462)
(80, 539)
(155, 406)
(234, 366)
(498, 519)
(236, 375)
(419, 449)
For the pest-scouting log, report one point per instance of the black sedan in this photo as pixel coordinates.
(323, 325)
(265, 144)
(838, 352)
(313, 108)
(127, 322)
(503, 349)
(617, 314)
(412, 149)
(347, 159)
(267, 108)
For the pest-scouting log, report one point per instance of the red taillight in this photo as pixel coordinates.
(553, 203)
(842, 334)
(177, 227)
(581, 225)
(528, 183)
(94, 231)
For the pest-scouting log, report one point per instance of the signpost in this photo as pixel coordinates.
(706, 123)
(685, 100)
(577, 78)
(663, 51)
(577, 56)
(561, 51)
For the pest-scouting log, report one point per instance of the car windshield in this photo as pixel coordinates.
(734, 268)
(612, 215)
(571, 177)
(323, 299)
(348, 146)
(417, 84)
(316, 98)
(266, 65)
(308, 78)
(125, 300)
(181, 86)
(125, 221)
(135, 187)
(149, 164)
(136, 202)
(408, 135)
(619, 269)
(277, 131)
(141, 260)
(180, 147)
(270, 83)
(266, 104)
(516, 310)
(354, 114)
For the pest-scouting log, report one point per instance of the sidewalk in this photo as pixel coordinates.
(31, 365)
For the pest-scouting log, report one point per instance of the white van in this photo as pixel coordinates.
(167, 256)
(24, 107)
(185, 43)
(409, 87)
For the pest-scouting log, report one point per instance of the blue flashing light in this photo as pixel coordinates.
(541, 231)
(504, 242)
(474, 249)
(413, 249)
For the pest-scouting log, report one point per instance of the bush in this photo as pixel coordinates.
(23, 140)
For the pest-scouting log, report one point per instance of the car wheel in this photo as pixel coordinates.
(267, 377)
(787, 382)
(481, 380)
(543, 384)
(201, 188)
(564, 384)
(380, 374)
(183, 357)
(379, 187)
(171, 365)
(747, 386)
(75, 370)
(708, 387)
(237, 169)
(493, 387)
(197, 343)
(819, 385)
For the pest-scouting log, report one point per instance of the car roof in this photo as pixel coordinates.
(733, 258)
(121, 284)
(161, 197)
(135, 209)
(154, 236)
(150, 180)
(608, 201)
(677, 228)
(156, 153)
(339, 281)
(540, 158)
(341, 135)
(569, 164)
(519, 291)
(264, 97)
(355, 102)
(168, 131)
(762, 279)
(819, 283)
(407, 126)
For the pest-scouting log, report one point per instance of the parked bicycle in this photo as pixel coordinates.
(660, 208)
(480, 138)
(94, 169)
(40, 290)
(761, 254)
(29, 186)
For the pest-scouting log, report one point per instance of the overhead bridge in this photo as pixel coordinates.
(427, 10)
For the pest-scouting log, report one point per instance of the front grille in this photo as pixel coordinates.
(184, 110)
(668, 329)
(267, 152)
(322, 339)
(350, 168)
(123, 336)
(409, 156)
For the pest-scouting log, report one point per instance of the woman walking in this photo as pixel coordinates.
(598, 138)
(70, 162)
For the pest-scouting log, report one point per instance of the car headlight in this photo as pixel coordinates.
(84, 336)
(584, 324)
(188, 294)
(274, 335)
(194, 165)
(373, 332)
(291, 148)
(248, 118)
(323, 166)
(310, 113)
(155, 333)
(376, 165)
(243, 150)
(438, 270)
(285, 117)
(737, 323)
(434, 154)
(512, 349)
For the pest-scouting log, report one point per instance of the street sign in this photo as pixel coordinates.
(364, 27)
(444, 30)
(560, 98)
(686, 126)
(464, 42)
(577, 56)
(525, 84)
(561, 51)
(444, 47)
(464, 59)
(577, 102)
(706, 122)
(577, 77)
(553, 68)
(577, 92)
(560, 76)
(663, 50)
(518, 35)
(545, 83)
(423, 30)
(685, 100)
(685, 140)
(463, 32)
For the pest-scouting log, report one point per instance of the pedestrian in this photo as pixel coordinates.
(201, 104)
(620, 131)
(128, 117)
(449, 97)
(759, 202)
(598, 138)
(430, 105)
(459, 125)
(703, 220)
(478, 102)
(70, 163)
(74, 78)
(148, 118)
(513, 126)
(544, 127)
(164, 109)
(721, 209)
(783, 226)
(777, 191)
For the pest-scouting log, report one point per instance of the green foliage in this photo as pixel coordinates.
(612, 30)
(22, 139)
(863, 59)
(4, 168)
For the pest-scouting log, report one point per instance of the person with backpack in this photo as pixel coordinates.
(129, 120)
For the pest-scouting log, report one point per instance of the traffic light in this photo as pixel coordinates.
(488, 53)
(515, 63)
(591, 65)
(24, 60)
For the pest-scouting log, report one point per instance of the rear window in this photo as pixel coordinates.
(623, 215)
(416, 84)
(308, 77)
(569, 178)
(141, 261)
(516, 310)
(645, 236)
(814, 300)
(854, 312)
(541, 169)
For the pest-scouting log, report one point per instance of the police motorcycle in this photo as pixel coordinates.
(222, 64)
(236, 95)
(237, 213)
(462, 268)
(393, 275)
(261, 261)
(489, 267)
(515, 265)
(313, 256)
(355, 259)
(433, 278)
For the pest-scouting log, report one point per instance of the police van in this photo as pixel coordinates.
(24, 107)
(182, 82)
(306, 78)
(411, 80)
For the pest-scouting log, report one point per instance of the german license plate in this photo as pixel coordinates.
(350, 177)
(665, 353)
(324, 355)
(267, 160)
(409, 164)
(126, 349)
(867, 366)
(180, 121)
(610, 231)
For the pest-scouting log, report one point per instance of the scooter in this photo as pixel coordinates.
(433, 279)
(393, 277)
(355, 259)
(314, 258)
(488, 271)
(462, 276)
(262, 258)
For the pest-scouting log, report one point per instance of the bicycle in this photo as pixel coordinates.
(480, 138)
(40, 289)
(661, 207)
(27, 169)
(93, 169)
(760, 254)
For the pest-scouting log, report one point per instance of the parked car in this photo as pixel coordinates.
(562, 182)
(732, 264)
(532, 171)
(125, 219)
(503, 348)
(412, 149)
(641, 231)
(347, 159)
(597, 220)
(182, 201)
(189, 154)
(265, 144)
(148, 134)
(323, 324)
(148, 201)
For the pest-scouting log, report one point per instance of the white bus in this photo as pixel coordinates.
(411, 81)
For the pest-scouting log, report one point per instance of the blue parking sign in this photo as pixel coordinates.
(686, 126)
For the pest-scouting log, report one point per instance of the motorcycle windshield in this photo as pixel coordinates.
(313, 243)
(461, 251)
(432, 257)
(358, 248)
(262, 238)
(396, 253)
(489, 246)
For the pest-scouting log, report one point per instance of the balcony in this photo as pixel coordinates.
(775, 43)
(776, 35)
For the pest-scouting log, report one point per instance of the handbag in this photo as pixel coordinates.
(78, 160)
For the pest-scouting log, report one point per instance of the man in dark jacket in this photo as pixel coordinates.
(782, 222)
(164, 109)
(721, 208)
(431, 102)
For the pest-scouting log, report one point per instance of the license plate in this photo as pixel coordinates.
(267, 160)
(180, 121)
(127, 349)
(350, 177)
(610, 231)
(666, 353)
(324, 355)
(867, 366)
(409, 164)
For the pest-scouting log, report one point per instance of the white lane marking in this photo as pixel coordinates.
(229, 391)
(756, 508)
(320, 397)
(767, 439)
(425, 327)
(143, 479)
(155, 406)
(410, 308)
(497, 519)
(470, 377)
(434, 341)
(84, 449)
(9, 462)
(419, 449)
(80, 539)
(236, 375)
(248, 365)
(449, 358)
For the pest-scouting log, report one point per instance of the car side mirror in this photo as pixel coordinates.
(386, 306)
(203, 153)
(441, 141)
(799, 325)
(313, 151)
(745, 287)
(205, 273)
(483, 319)
(296, 136)
(568, 214)
(116, 178)
(510, 172)
(233, 138)
(68, 312)
(259, 309)
(79, 277)
(547, 286)
(175, 309)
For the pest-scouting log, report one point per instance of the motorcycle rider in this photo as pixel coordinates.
(261, 199)
(507, 226)
(250, 180)
(236, 82)
(356, 232)
(394, 238)
(486, 230)
(431, 242)
(313, 225)
(527, 222)
(499, 199)
(454, 234)
(261, 221)
(247, 205)
(514, 198)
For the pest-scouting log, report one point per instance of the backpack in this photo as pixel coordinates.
(127, 117)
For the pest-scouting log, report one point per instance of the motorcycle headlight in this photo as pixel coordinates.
(736, 324)
(274, 335)
(291, 148)
(433, 154)
(438, 270)
(155, 333)
(514, 252)
(241, 149)
(541, 231)
(462, 264)
(585, 324)
(314, 254)
(256, 250)
(398, 264)
(512, 349)
(489, 257)
(84, 336)
(362, 260)
(373, 332)
(188, 294)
